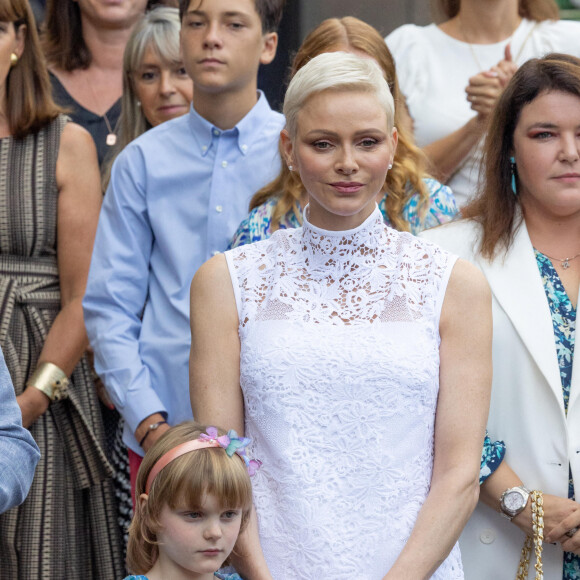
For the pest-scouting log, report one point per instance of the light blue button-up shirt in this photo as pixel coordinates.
(19, 453)
(176, 196)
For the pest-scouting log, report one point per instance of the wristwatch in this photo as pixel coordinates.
(513, 501)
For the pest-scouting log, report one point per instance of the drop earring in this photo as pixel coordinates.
(513, 169)
(13, 59)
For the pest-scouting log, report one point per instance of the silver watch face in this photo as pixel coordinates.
(513, 501)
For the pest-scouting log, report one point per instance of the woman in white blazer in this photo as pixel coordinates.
(523, 231)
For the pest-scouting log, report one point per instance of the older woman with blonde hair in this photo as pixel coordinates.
(409, 200)
(156, 87)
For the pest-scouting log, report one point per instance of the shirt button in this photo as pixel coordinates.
(487, 536)
(216, 132)
(244, 147)
(224, 163)
(219, 208)
(215, 253)
(204, 148)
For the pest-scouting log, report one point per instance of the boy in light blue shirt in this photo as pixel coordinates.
(176, 196)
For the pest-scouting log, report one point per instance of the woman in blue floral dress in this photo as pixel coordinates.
(523, 232)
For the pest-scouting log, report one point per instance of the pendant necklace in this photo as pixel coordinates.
(111, 138)
(564, 262)
(111, 135)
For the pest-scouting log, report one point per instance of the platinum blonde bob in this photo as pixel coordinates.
(336, 71)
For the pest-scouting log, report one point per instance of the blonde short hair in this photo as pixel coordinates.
(336, 71)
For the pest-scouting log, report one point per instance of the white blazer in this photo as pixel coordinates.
(527, 407)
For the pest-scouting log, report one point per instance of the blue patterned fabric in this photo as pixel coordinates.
(564, 322)
(441, 209)
(492, 455)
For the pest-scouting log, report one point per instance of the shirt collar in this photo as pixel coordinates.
(246, 132)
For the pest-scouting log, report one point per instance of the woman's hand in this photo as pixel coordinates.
(485, 88)
(483, 91)
(560, 516)
(33, 403)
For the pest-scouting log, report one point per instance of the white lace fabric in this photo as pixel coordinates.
(340, 374)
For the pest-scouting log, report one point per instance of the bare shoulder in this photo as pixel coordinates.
(467, 290)
(213, 272)
(74, 135)
(76, 144)
(212, 284)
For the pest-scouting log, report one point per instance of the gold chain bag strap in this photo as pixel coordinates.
(536, 540)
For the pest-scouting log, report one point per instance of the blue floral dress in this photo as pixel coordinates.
(564, 322)
(441, 209)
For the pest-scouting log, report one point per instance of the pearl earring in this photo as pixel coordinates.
(13, 59)
(139, 103)
(390, 166)
(290, 167)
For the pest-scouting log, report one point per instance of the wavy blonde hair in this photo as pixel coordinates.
(406, 176)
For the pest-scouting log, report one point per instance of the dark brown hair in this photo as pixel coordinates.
(532, 9)
(62, 38)
(184, 481)
(29, 102)
(270, 12)
(406, 176)
(496, 207)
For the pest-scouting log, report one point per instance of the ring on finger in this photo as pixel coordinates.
(571, 532)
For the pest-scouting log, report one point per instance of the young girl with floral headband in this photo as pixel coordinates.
(194, 496)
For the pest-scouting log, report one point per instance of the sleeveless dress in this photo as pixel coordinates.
(66, 528)
(340, 375)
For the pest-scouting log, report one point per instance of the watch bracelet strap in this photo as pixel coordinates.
(50, 380)
(151, 427)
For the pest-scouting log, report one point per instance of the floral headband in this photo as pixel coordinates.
(230, 442)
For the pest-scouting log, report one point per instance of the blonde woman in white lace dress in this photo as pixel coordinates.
(358, 358)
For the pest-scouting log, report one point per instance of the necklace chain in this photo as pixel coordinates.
(112, 132)
(510, 38)
(564, 262)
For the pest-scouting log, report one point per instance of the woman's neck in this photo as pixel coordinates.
(484, 21)
(106, 46)
(551, 234)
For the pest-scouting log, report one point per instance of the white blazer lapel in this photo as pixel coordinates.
(516, 284)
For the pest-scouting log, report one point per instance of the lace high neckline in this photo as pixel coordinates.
(341, 245)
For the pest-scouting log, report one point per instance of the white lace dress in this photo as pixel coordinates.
(340, 376)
